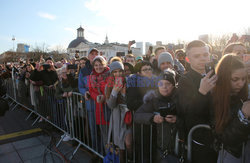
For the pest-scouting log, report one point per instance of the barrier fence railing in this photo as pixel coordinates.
(85, 122)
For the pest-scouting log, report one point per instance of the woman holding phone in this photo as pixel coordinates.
(115, 92)
(231, 108)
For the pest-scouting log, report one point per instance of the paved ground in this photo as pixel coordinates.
(20, 142)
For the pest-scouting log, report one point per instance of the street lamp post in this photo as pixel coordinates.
(13, 39)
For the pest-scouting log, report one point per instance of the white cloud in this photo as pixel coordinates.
(46, 15)
(168, 21)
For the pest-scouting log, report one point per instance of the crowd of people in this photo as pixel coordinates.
(171, 89)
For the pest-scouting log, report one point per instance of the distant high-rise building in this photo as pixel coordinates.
(22, 48)
(158, 43)
(140, 46)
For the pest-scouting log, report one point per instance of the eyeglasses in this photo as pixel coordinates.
(147, 69)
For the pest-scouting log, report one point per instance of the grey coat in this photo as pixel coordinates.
(117, 127)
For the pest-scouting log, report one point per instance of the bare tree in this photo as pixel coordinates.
(218, 42)
(247, 31)
(40, 48)
(58, 49)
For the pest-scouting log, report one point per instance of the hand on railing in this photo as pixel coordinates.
(170, 118)
(87, 95)
(67, 94)
(158, 119)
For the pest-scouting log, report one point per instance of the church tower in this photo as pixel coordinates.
(106, 40)
(80, 32)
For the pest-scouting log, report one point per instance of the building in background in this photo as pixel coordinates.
(22, 48)
(158, 43)
(81, 45)
(147, 44)
(139, 45)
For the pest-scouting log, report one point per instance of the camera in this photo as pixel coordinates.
(170, 109)
(72, 66)
(132, 42)
(46, 66)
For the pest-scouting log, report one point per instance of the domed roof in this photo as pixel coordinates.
(76, 42)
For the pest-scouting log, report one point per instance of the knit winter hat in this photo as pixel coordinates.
(168, 75)
(101, 58)
(116, 65)
(92, 49)
(165, 57)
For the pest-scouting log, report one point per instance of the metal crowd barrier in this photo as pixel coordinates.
(189, 144)
(76, 117)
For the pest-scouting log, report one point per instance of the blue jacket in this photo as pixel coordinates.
(83, 84)
(137, 87)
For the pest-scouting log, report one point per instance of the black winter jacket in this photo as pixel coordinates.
(49, 77)
(194, 108)
(166, 132)
(235, 133)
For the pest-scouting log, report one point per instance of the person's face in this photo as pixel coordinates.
(99, 67)
(63, 61)
(159, 52)
(130, 60)
(166, 65)
(165, 87)
(64, 75)
(180, 56)
(92, 55)
(118, 73)
(198, 57)
(49, 62)
(82, 63)
(239, 50)
(28, 68)
(127, 71)
(146, 71)
(238, 80)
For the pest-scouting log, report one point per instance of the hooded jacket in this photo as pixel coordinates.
(166, 132)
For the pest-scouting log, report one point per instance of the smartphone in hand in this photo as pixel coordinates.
(210, 66)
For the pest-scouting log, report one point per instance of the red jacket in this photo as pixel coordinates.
(96, 84)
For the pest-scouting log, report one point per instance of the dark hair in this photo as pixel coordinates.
(229, 48)
(140, 64)
(222, 91)
(84, 58)
(195, 43)
(130, 66)
(49, 58)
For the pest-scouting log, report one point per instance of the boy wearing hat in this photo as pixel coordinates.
(159, 108)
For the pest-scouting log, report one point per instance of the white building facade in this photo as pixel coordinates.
(81, 46)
